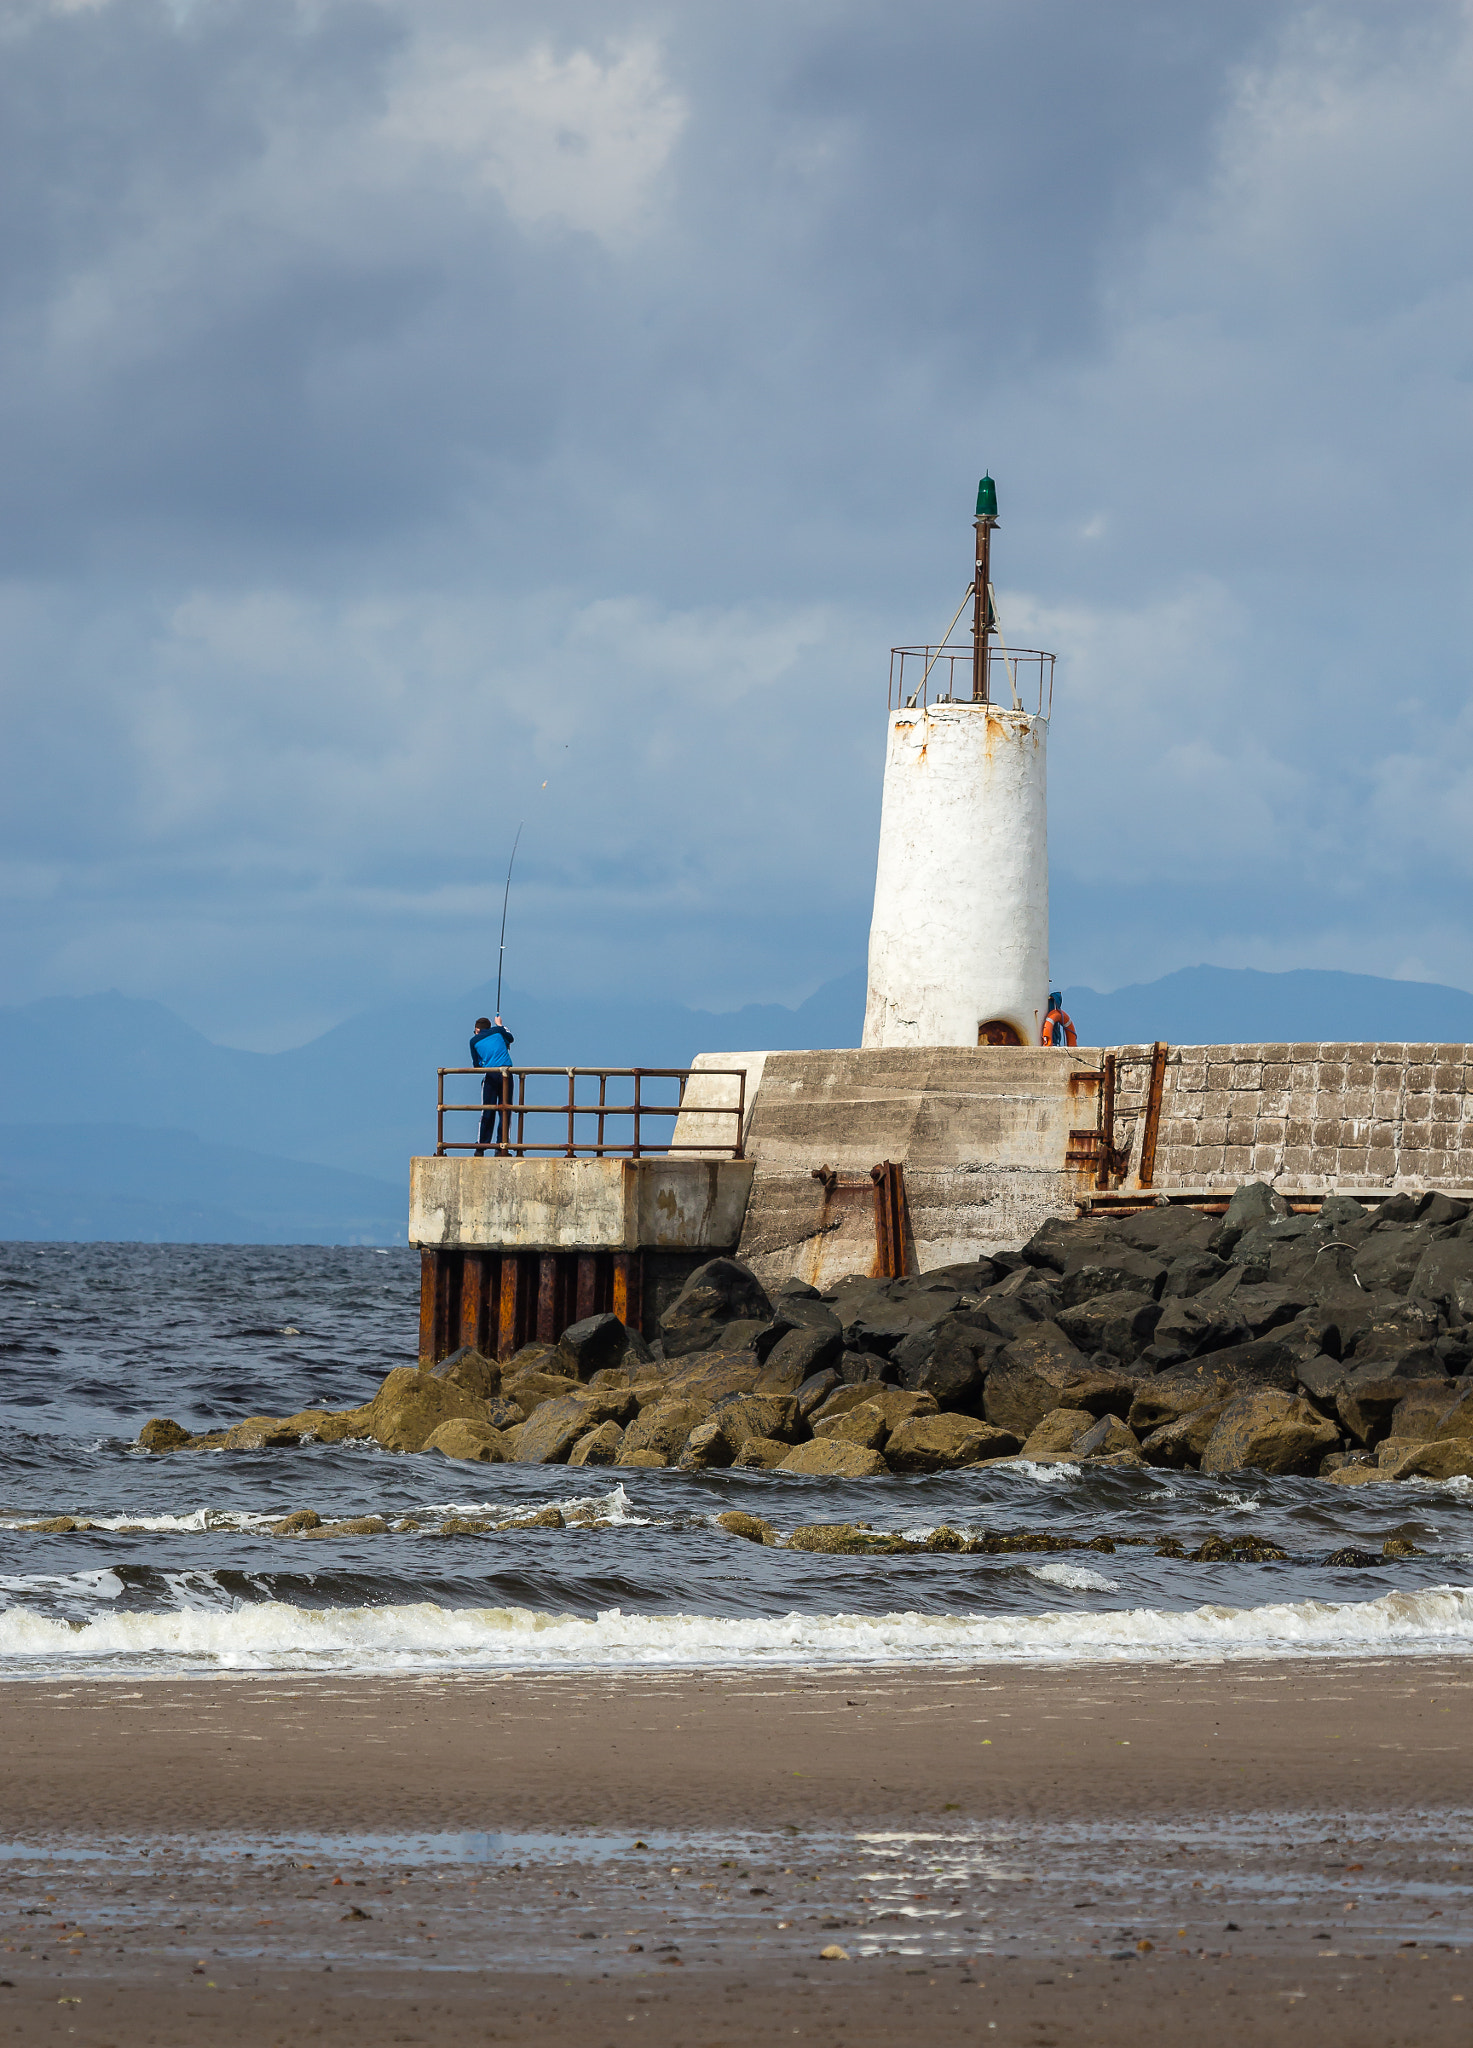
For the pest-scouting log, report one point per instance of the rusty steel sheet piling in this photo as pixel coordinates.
(498, 1302)
(1153, 1113)
(892, 1221)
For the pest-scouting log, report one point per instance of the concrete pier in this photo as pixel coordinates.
(989, 1140)
(992, 1140)
(513, 1251)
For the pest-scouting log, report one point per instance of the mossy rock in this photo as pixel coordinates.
(297, 1524)
(162, 1433)
(845, 1539)
(751, 1526)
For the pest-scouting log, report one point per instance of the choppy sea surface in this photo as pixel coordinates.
(179, 1574)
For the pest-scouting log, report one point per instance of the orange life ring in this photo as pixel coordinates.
(1046, 1035)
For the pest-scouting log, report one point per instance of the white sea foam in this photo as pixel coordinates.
(1075, 1577)
(1046, 1475)
(272, 1636)
(95, 1585)
(608, 1510)
(196, 1521)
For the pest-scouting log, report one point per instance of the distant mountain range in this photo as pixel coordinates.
(1240, 1006)
(117, 1120)
(121, 1182)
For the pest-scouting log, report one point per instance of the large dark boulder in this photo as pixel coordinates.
(1253, 1204)
(1402, 1339)
(858, 1367)
(1166, 1234)
(953, 1364)
(1390, 1256)
(748, 1333)
(1190, 1326)
(595, 1345)
(1210, 1382)
(1333, 1267)
(804, 1311)
(854, 1294)
(1042, 1370)
(1371, 1395)
(1167, 1231)
(1285, 1249)
(1455, 1349)
(1012, 1309)
(1323, 1380)
(973, 1276)
(1444, 1275)
(881, 1325)
(720, 1292)
(1352, 1311)
(1058, 1240)
(1313, 1337)
(1120, 1271)
(1266, 1306)
(815, 1391)
(1122, 1324)
(1189, 1272)
(799, 1354)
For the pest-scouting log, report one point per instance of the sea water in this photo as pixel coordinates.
(180, 1575)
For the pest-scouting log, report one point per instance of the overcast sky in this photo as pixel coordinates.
(421, 416)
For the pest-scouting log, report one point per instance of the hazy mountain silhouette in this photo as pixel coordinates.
(123, 1121)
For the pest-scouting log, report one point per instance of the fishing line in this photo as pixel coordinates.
(506, 898)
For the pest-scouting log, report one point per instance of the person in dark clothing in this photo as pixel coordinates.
(491, 1045)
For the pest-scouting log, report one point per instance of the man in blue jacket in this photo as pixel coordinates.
(491, 1047)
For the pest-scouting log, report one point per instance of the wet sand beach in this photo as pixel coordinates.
(1051, 1855)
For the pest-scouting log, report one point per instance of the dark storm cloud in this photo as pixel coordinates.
(225, 327)
(407, 406)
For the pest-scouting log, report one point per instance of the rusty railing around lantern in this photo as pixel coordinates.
(567, 1122)
(920, 676)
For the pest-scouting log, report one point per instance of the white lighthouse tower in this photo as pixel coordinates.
(958, 944)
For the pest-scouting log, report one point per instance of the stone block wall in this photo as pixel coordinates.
(1315, 1115)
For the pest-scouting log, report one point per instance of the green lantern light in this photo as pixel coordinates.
(987, 499)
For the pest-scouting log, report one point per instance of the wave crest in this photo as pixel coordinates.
(272, 1636)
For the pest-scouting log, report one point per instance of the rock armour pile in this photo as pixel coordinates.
(1335, 1345)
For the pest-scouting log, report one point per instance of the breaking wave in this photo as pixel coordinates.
(271, 1636)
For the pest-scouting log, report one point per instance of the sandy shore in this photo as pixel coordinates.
(1044, 1856)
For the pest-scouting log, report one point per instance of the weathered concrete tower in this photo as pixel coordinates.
(958, 945)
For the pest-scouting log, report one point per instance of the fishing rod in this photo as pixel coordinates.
(506, 898)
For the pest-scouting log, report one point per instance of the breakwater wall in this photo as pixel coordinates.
(1327, 1116)
(995, 1139)
(887, 1160)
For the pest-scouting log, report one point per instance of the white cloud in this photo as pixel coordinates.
(410, 404)
(578, 138)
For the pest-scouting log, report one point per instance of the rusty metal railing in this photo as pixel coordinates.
(617, 1128)
(943, 675)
